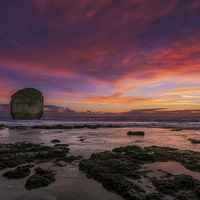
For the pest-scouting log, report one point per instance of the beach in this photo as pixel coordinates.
(72, 183)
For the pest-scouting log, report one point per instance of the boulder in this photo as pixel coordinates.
(27, 104)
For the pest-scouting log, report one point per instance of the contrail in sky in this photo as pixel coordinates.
(95, 85)
(18, 44)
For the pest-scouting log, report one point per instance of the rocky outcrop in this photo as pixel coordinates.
(40, 179)
(12, 155)
(27, 104)
(121, 170)
(19, 173)
(135, 133)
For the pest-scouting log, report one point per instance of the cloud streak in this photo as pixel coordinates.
(17, 44)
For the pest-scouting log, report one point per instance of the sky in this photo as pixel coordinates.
(102, 56)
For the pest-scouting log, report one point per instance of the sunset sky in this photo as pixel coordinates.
(102, 55)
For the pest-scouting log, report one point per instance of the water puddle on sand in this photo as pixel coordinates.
(174, 168)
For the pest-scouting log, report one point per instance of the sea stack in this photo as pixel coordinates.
(26, 104)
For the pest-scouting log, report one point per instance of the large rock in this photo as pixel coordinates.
(27, 104)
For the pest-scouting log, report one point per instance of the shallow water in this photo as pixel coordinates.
(96, 140)
(186, 123)
(69, 188)
(172, 167)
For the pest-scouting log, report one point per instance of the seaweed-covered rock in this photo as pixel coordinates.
(68, 159)
(112, 170)
(55, 141)
(121, 169)
(154, 196)
(176, 129)
(19, 173)
(187, 196)
(194, 141)
(60, 126)
(12, 155)
(26, 104)
(179, 183)
(40, 179)
(135, 133)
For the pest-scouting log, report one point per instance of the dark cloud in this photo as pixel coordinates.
(94, 38)
(53, 112)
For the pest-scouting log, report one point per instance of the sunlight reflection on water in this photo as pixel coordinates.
(96, 140)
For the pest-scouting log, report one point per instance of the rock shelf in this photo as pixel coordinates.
(120, 170)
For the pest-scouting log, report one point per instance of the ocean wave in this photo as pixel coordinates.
(99, 123)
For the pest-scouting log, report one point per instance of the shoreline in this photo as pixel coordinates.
(147, 168)
(85, 142)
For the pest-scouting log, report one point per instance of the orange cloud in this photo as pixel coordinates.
(137, 100)
(181, 91)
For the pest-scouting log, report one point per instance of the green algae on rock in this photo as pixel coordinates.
(26, 104)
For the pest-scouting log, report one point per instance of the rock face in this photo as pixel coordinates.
(27, 104)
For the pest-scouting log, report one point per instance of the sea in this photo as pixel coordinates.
(110, 132)
(83, 141)
(183, 123)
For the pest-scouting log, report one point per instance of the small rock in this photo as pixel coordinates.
(68, 159)
(19, 173)
(176, 129)
(55, 141)
(135, 133)
(194, 141)
(1, 127)
(42, 178)
(59, 164)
